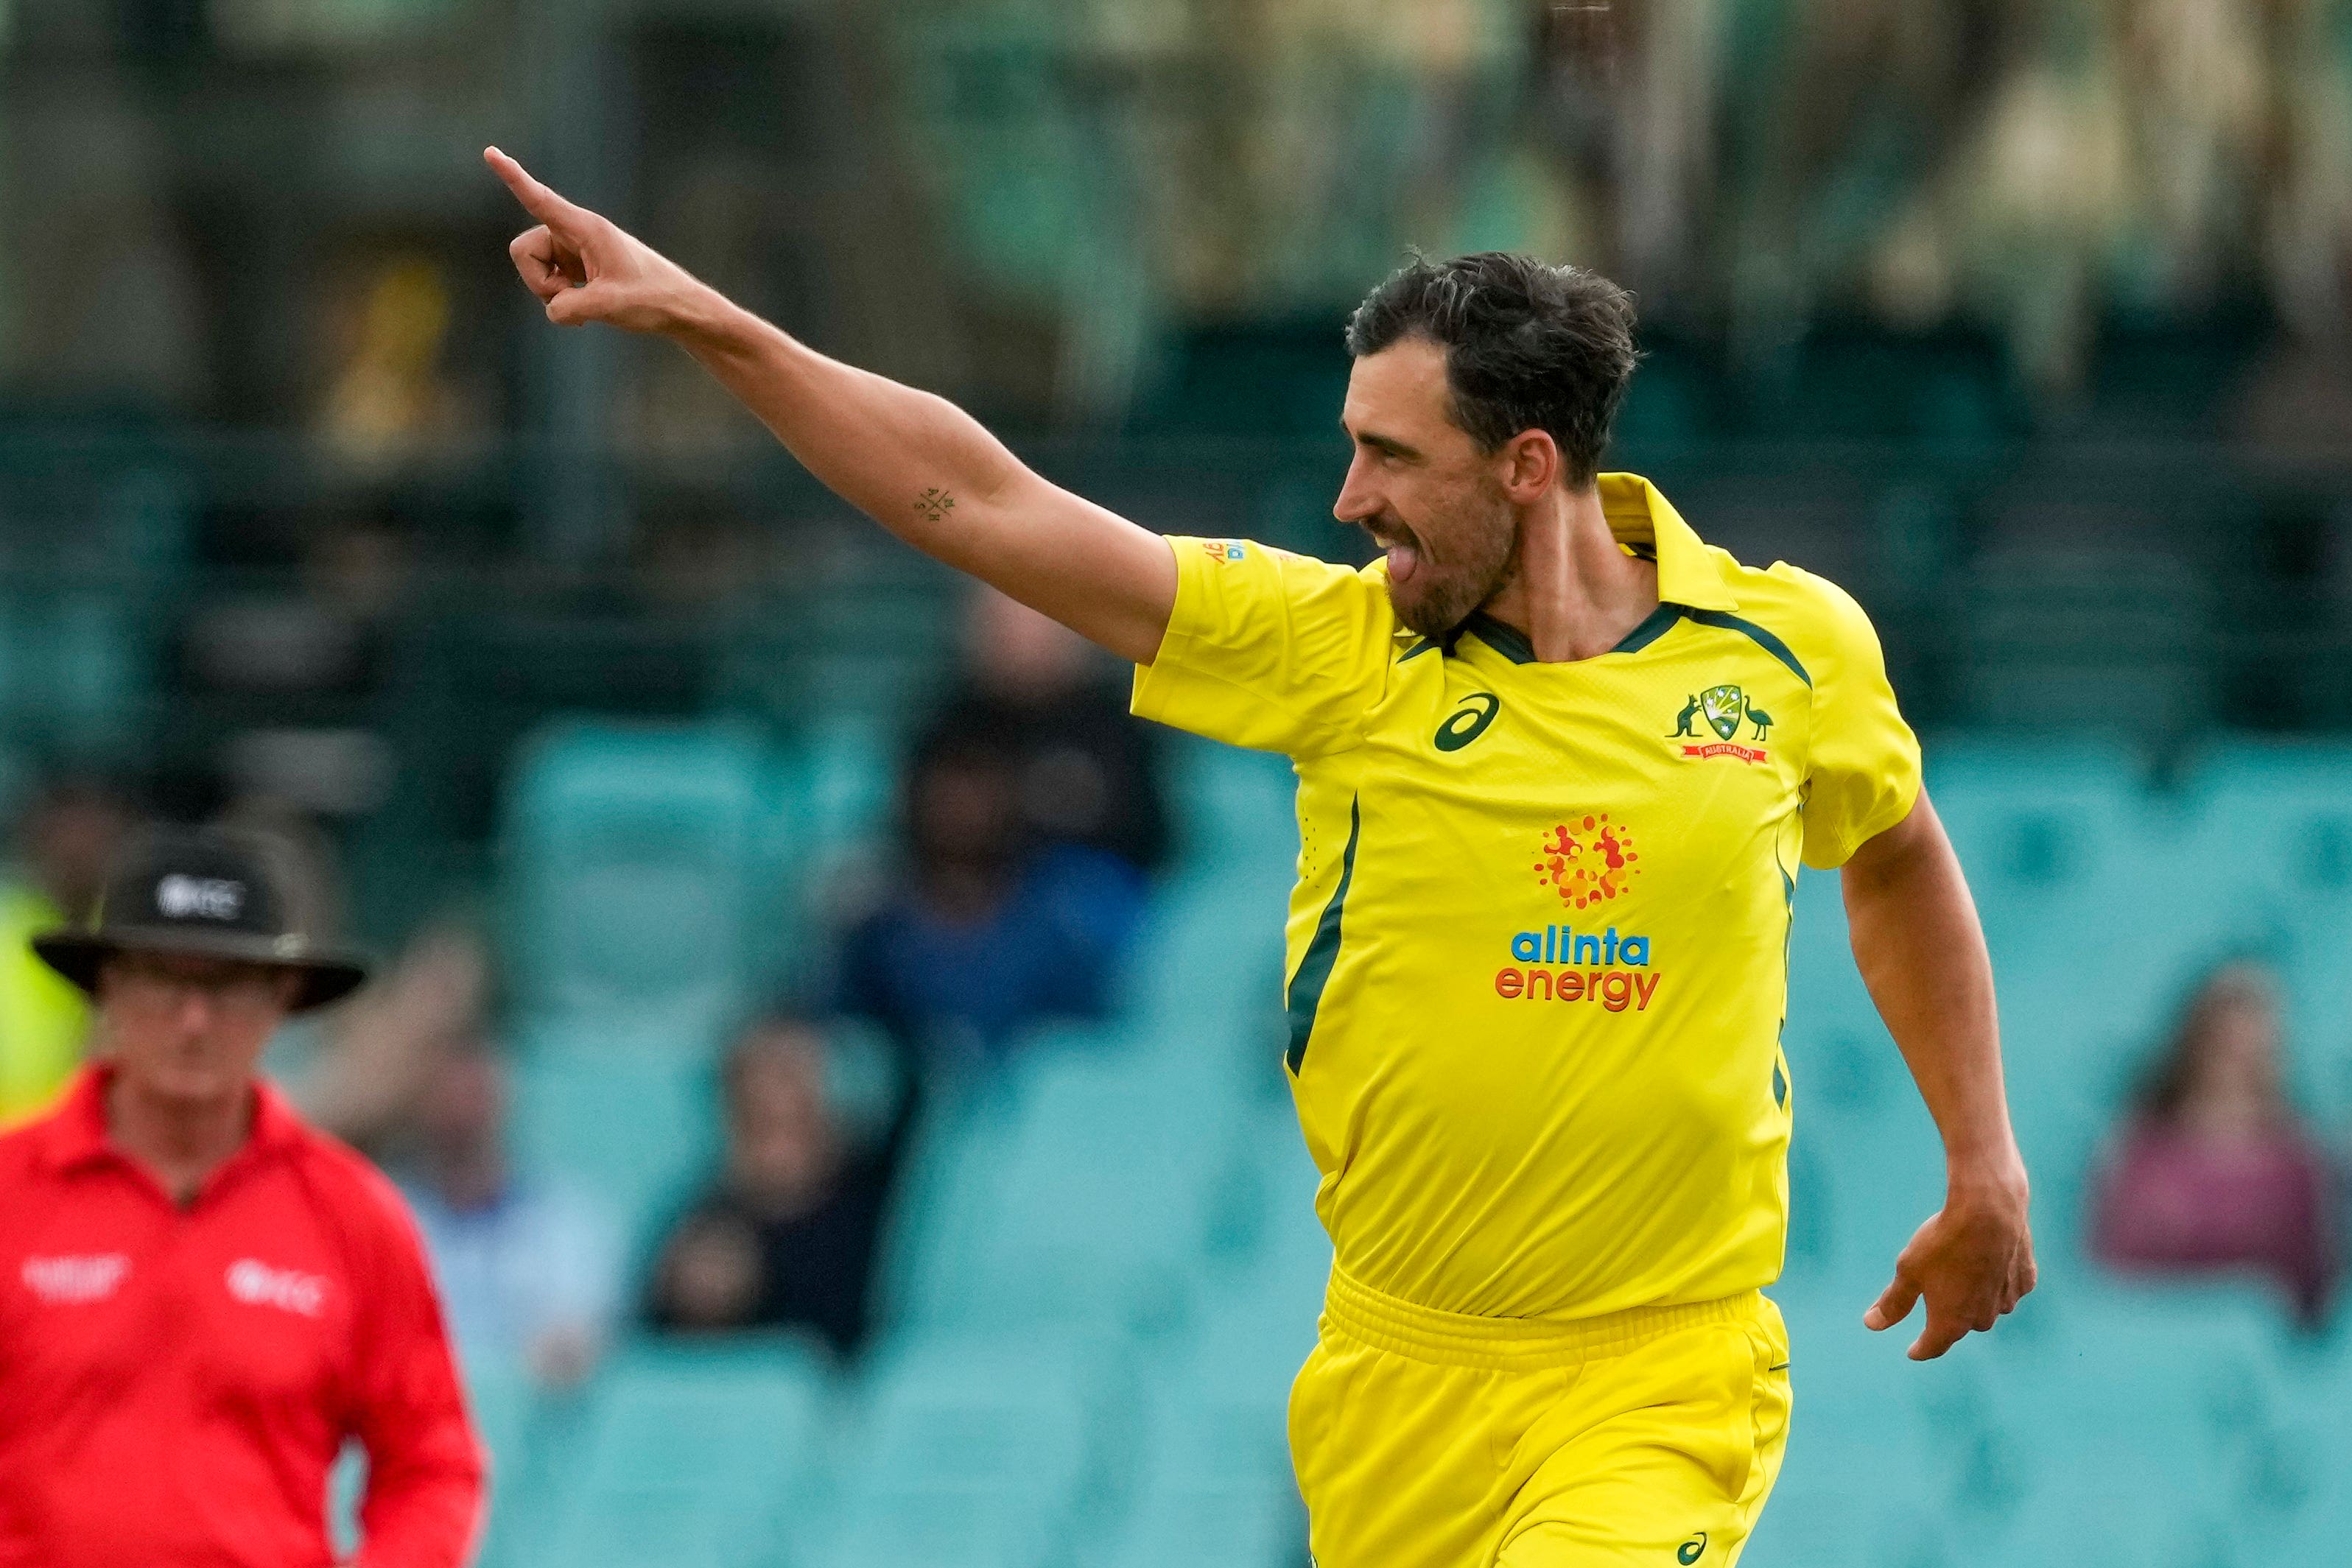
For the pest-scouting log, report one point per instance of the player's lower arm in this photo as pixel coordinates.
(1921, 951)
(877, 444)
(915, 462)
(933, 475)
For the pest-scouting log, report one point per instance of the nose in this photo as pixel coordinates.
(1357, 499)
(195, 1009)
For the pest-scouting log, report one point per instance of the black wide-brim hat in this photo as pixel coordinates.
(206, 892)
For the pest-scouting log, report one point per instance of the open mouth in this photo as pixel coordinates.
(1404, 551)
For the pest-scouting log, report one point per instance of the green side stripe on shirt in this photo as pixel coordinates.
(1306, 990)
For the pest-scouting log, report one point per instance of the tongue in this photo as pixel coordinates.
(1404, 561)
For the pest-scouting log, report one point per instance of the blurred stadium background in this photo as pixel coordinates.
(2027, 320)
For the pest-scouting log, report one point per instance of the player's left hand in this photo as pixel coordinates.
(1973, 1263)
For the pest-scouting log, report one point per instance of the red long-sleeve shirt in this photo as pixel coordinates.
(175, 1383)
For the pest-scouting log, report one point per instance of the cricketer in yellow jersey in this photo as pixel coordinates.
(1559, 763)
(1538, 963)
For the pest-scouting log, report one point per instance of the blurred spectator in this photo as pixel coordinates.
(363, 1074)
(65, 840)
(1624, 102)
(1089, 772)
(389, 394)
(529, 1272)
(984, 935)
(2217, 1169)
(785, 1236)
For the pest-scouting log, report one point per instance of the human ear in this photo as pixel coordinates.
(1530, 464)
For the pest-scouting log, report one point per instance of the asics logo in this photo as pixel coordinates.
(1468, 722)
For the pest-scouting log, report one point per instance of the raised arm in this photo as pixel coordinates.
(1922, 954)
(915, 462)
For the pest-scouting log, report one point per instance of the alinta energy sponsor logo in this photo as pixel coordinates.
(1724, 707)
(1560, 964)
(72, 1280)
(1587, 860)
(255, 1283)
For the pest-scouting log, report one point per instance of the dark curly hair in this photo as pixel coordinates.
(1528, 346)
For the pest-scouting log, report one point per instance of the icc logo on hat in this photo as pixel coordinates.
(211, 897)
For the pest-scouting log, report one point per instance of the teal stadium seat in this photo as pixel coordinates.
(636, 854)
(1282, 1269)
(1205, 978)
(844, 770)
(1215, 1484)
(696, 1458)
(1858, 1489)
(1099, 1177)
(2136, 1422)
(2274, 838)
(505, 1406)
(634, 1129)
(1235, 810)
(945, 1203)
(1205, 982)
(827, 807)
(2298, 1492)
(976, 1450)
(1891, 1459)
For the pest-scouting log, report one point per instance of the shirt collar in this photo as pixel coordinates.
(1688, 571)
(78, 1132)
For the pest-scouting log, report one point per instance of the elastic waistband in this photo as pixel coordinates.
(1505, 1344)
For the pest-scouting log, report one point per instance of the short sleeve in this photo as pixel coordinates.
(1862, 775)
(1269, 650)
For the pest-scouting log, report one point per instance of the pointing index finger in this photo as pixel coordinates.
(537, 199)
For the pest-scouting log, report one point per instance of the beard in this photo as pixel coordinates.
(1479, 554)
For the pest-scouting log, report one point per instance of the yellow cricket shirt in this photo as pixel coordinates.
(1537, 948)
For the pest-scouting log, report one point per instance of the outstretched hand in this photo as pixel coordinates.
(1973, 1263)
(584, 268)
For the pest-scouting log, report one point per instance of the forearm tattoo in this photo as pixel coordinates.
(934, 505)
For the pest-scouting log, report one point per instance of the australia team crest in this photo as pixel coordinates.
(1724, 709)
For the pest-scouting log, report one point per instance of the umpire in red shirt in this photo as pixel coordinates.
(201, 1297)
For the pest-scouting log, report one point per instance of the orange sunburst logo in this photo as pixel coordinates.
(1588, 859)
